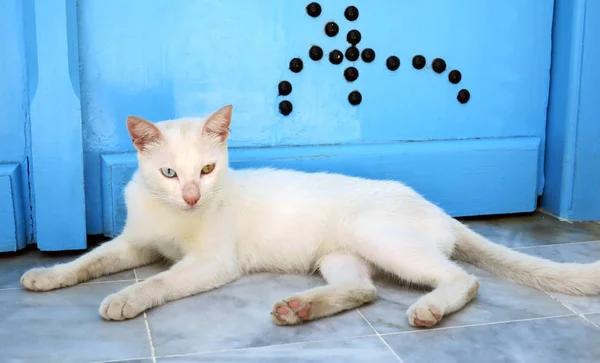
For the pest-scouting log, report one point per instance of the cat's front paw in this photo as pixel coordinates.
(122, 306)
(45, 279)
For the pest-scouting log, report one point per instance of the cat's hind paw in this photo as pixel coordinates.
(424, 315)
(291, 311)
(121, 306)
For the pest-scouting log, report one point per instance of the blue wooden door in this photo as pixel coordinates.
(15, 222)
(474, 146)
(41, 152)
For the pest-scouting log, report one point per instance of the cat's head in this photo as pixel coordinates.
(181, 161)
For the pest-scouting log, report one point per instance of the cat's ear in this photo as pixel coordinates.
(218, 123)
(143, 132)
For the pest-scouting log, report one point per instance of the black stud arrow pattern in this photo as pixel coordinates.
(352, 54)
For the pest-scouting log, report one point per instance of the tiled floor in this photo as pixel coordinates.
(505, 323)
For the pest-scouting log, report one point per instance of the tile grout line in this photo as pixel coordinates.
(581, 315)
(380, 337)
(263, 346)
(83, 283)
(106, 282)
(152, 350)
(120, 360)
(478, 324)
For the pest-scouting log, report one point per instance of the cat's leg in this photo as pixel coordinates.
(192, 275)
(411, 257)
(111, 257)
(447, 297)
(349, 286)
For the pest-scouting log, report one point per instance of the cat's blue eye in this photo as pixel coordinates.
(168, 172)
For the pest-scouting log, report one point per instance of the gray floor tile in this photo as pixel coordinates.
(64, 326)
(594, 318)
(238, 316)
(583, 253)
(497, 300)
(150, 270)
(533, 230)
(358, 350)
(14, 265)
(548, 340)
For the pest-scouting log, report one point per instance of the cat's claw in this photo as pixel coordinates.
(291, 312)
(121, 306)
(45, 279)
(424, 315)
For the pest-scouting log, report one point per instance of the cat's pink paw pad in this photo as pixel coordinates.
(422, 315)
(283, 311)
(291, 312)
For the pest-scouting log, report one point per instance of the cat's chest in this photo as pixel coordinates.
(178, 241)
(173, 236)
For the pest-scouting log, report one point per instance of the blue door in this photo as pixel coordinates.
(453, 95)
(448, 97)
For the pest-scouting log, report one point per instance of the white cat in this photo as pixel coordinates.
(217, 224)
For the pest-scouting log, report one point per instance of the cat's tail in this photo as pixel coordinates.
(542, 274)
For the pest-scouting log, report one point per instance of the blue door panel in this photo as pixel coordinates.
(190, 57)
(13, 219)
(56, 130)
(16, 226)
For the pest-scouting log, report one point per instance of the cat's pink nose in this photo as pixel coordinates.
(191, 199)
(191, 194)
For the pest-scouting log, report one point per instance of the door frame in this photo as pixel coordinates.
(572, 165)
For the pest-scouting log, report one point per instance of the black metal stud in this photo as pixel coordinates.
(355, 98)
(463, 96)
(368, 55)
(353, 37)
(438, 65)
(351, 74)
(331, 29)
(313, 9)
(336, 57)
(352, 53)
(315, 53)
(454, 76)
(392, 63)
(285, 107)
(296, 65)
(284, 88)
(351, 13)
(418, 62)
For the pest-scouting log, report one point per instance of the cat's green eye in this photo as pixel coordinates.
(208, 169)
(168, 172)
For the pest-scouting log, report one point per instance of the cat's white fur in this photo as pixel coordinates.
(248, 221)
